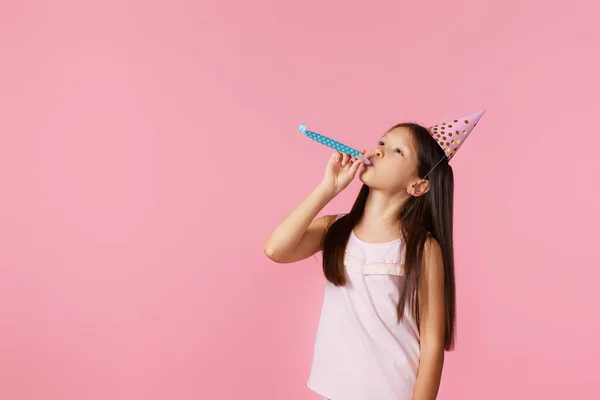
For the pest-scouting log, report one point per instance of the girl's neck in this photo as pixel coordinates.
(382, 210)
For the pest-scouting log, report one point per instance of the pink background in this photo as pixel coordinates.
(148, 148)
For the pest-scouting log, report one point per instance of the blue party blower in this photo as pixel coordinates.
(325, 141)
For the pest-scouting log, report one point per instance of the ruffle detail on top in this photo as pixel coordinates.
(372, 267)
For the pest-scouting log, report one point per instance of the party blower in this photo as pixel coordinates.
(325, 141)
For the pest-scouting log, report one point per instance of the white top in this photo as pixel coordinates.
(361, 352)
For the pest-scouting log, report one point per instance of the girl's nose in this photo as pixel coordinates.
(375, 153)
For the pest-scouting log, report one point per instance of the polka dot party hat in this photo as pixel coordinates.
(451, 134)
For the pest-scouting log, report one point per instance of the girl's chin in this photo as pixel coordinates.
(364, 176)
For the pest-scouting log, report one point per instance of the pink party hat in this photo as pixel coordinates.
(451, 134)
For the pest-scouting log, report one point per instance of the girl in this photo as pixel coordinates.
(388, 311)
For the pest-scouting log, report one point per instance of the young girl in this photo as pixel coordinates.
(389, 306)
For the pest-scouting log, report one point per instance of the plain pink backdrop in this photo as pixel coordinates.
(148, 148)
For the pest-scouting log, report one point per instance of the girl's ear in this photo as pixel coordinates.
(419, 188)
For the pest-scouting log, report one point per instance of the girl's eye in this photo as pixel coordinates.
(398, 151)
(381, 143)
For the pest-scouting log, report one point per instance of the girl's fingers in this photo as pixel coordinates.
(354, 167)
(345, 158)
(336, 156)
(349, 163)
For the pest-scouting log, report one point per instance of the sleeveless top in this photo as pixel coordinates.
(361, 352)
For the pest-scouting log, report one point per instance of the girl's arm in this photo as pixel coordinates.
(299, 235)
(432, 322)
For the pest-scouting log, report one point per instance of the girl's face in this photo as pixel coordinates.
(395, 161)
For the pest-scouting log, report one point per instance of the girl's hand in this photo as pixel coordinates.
(340, 171)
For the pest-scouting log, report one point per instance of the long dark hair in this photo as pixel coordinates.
(430, 213)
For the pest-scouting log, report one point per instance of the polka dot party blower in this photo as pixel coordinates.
(342, 148)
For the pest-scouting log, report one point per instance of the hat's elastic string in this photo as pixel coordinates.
(434, 167)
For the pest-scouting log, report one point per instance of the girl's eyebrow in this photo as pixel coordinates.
(401, 145)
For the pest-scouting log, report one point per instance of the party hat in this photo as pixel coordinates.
(451, 134)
